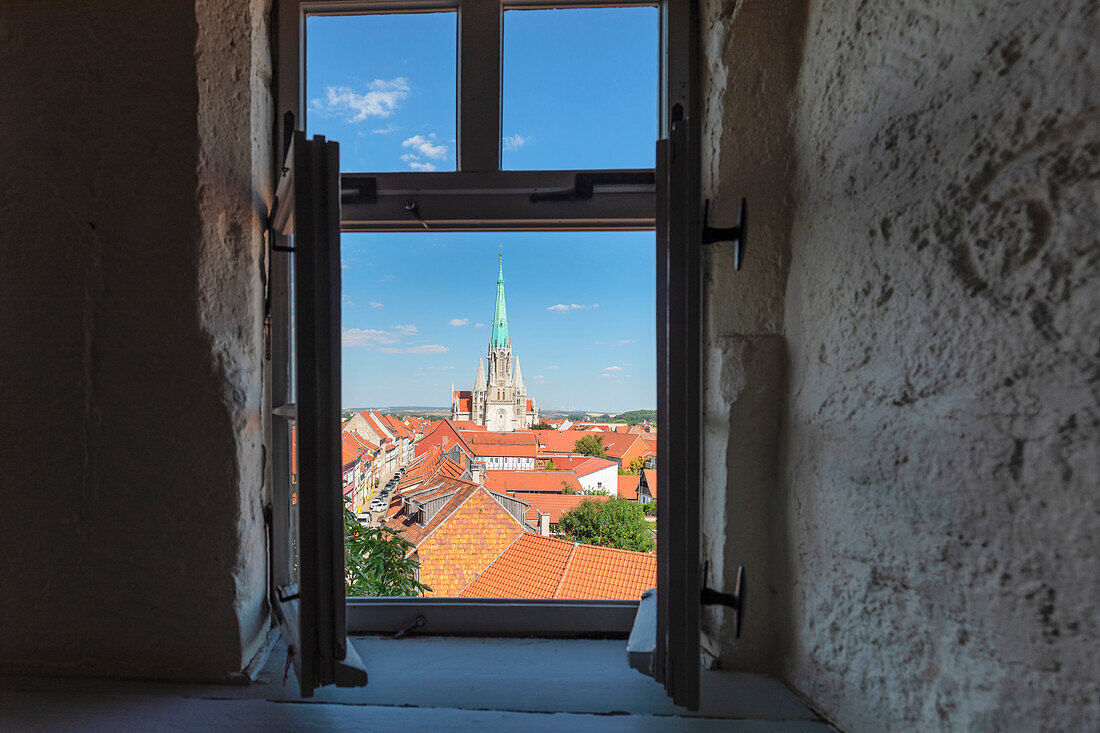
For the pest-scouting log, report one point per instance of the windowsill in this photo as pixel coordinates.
(423, 683)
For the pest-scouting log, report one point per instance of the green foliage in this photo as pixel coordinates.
(375, 562)
(542, 426)
(636, 465)
(616, 522)
(595, 492)
(590, 445)
(567, 489)
(549, 465)
(636, 416)
(650, 508)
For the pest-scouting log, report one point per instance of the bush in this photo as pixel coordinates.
(375, 562)
(616, 522)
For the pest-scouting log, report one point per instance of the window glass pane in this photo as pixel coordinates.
(580, 88)
(384, 87)
(494, 334)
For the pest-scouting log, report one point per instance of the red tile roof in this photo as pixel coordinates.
(462, 539)
(554, 504)
(628, 486)
(468, 425)
(545, 567)
(351, 450)
(502, 444)
(508, 482)
(651, 481)
(397, 427)
(463, 399)
(443, 435)
(530, 405)
(580, 464)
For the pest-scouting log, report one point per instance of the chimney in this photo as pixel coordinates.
(544, 524)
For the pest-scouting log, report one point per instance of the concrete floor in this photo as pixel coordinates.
(428, 683)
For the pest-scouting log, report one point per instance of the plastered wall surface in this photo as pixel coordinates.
(938, 460)
(131, 541)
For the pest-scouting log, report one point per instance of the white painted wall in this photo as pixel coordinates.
(508, 463)
(605, 480)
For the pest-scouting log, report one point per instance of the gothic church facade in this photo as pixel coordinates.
(499, 399)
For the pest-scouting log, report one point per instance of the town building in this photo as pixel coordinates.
(499, 399)
(504, 451)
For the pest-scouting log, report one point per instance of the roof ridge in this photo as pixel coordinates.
(619, 549)
(565, 570)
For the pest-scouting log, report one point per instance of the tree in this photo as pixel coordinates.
(549, 465)
(542, 426)
(590, 445)
(616, 522)
(650, 508)
(376, 561)
(567, 489)
(634, 468)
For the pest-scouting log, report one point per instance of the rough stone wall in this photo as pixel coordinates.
(131, 539)
(938, 462)
(752, 52)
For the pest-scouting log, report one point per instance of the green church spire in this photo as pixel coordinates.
(500, 317)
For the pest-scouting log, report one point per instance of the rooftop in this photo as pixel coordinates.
(546, 567)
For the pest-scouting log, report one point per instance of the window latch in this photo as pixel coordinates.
(735, 600)
(584, 185)
(736, 234)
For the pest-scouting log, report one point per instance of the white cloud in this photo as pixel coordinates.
(479, 325)
(407, 329)
(613, 369)
(351, 337)
(417, 166)
(438, 368)
(552, 367)
(625, 341)
(424, 146)
(459, 321)
(515, 142)
(538, 378)
(385, 130)
(343, 264)
(420, 349)
(375, 304)
(605, 374)
(380, 100)
(346, 300)
(562, 307)
(386, 279)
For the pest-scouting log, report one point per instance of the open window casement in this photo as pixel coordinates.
(307, 521)
(665, 640)
(480, 196)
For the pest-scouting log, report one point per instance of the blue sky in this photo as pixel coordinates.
(580, 91)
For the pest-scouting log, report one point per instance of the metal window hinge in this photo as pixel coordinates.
(735, 600)
(737, 234)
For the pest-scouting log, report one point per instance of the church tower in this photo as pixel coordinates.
(499, 398)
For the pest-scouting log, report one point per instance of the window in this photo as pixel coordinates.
(460, 184)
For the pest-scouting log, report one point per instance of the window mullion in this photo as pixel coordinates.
(479, 34)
